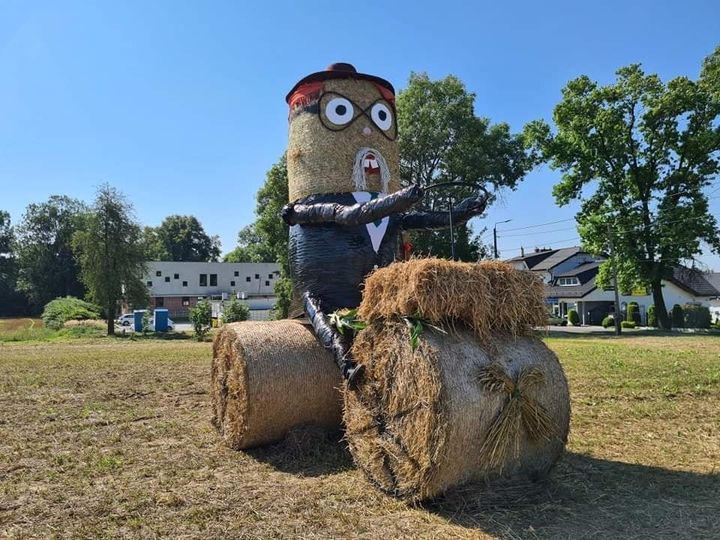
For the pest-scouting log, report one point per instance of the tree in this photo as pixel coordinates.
(441, 140)
(181, 238)
(47, 268)
(639, 154)
(11, 301)
(266, 240)
(111, 254)
(235, 311)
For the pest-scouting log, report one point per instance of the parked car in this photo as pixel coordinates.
(125, 320)
(170, 324)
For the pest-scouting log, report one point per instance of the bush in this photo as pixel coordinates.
(633, 313)
(58, 311)
(627, 324)
(696, 316)
(677, 316)
(573, 317)
(235, 311)
(608, 321)
(201, 318)
(652, 317)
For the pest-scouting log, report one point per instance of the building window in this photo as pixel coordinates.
(270, 276)
(158, 273)
(257, 276)
(167, 279)
(267, 283)
(184, 283)
(203, 280)
(176, 276)
(568, 281)
(236, 274)
(159, 301)
(247, 279)
(148, 283)
(213, 280)
(232, 283)
(186, 301)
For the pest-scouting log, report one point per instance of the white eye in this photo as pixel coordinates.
(339, 111)
(382, 116)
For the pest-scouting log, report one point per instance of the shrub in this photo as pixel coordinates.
(677, 316)
(201, 318)
(627, 324)
(573, 317)
(235, 311)
(696, 316)
(652, 317)
(608, 321)
(633, 313)
(58, 311)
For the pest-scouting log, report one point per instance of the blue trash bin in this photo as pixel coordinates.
(161, 320)
(138, 319)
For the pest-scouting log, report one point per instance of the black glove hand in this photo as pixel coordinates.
(474, 205)
(288, 214)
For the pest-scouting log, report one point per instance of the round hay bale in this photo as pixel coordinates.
(269, 378)
(453, 411)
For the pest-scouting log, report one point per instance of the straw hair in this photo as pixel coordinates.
(269, 378)
(488, 296)
(321, 161)
(426, 420)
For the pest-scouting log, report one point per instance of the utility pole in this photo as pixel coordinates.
(616, 318)
(495, 249)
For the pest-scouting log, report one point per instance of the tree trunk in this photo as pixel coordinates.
(660, 309)
(111, 319)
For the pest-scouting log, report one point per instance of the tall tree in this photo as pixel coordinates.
(46, 265)
(639, 154)
(181, 238)
(111, 254)
(441, 140)
(11, 301)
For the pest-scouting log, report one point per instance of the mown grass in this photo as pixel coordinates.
(111, 439)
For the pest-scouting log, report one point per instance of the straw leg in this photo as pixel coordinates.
(330, 338)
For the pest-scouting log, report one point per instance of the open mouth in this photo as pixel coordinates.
(370, 164)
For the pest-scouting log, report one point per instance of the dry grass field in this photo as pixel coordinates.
(110, 438)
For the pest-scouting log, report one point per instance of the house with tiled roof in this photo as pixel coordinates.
(569, 276)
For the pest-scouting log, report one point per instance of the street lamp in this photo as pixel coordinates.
(495, 235)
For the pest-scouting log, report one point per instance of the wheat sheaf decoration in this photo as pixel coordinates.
(520, 412)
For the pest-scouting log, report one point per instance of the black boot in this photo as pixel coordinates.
(353, 374)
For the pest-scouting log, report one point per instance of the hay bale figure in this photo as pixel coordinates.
(346, 209)
(482, 400)
(269, 378)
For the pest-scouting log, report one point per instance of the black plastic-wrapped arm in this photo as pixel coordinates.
(468, 208)
(356, 214)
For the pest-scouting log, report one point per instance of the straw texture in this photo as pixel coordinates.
(488, 296)
(269, 378)
(424, 421)
(321, 161)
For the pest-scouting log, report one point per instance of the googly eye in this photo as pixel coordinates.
(339, 111)
(381, 116)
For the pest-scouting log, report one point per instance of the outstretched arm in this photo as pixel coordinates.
(468, 208)
(356, 214)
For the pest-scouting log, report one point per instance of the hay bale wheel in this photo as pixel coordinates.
(453, 411)
(269, 378)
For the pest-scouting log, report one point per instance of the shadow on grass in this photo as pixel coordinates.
(585, 497)
(307, 451)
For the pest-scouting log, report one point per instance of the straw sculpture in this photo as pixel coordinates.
(452, 410)
(269, 378)
(488, 297)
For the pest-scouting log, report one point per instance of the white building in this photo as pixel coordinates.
(178, 286)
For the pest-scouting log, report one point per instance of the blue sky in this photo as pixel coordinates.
(181, 104)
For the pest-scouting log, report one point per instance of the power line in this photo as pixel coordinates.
(538, 225)
(535, 233)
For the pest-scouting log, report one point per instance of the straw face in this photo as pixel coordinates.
(429, 419)
(269, 378)
(321, 160)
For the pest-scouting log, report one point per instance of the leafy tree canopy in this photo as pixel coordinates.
(639, 154)
(441, 140)
(111, 254)
(180, 238)
(46, 265)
